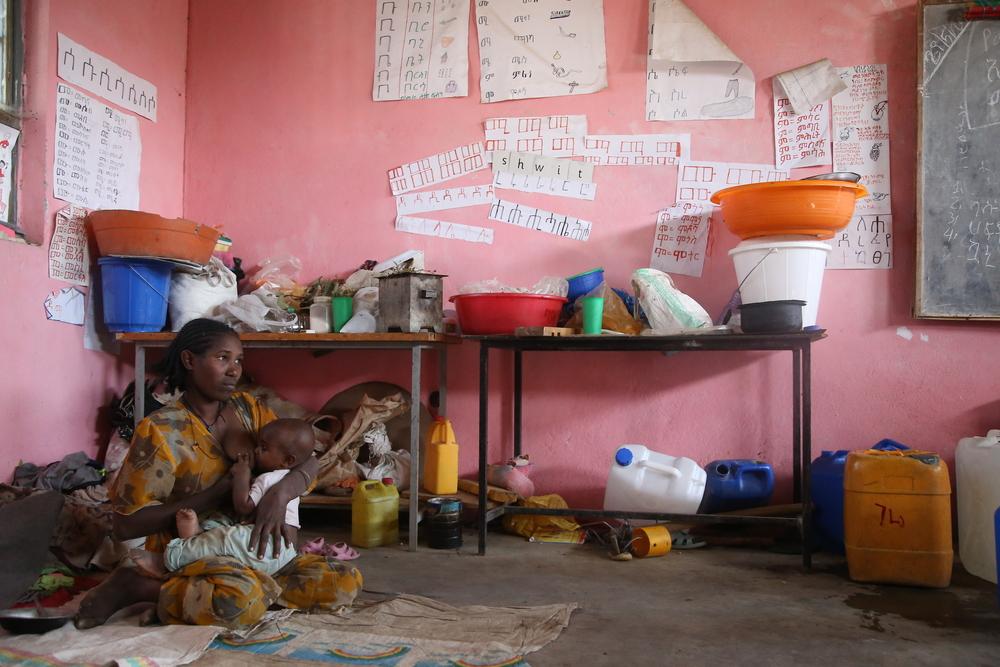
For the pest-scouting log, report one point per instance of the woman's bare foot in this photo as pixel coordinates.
(150, 562)
(187, 523)
(126, 586)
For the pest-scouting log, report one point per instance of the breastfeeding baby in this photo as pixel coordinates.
(281, 445)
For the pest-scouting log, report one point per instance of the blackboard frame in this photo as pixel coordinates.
(920, 309)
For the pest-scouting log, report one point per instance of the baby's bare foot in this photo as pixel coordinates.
(187, 523)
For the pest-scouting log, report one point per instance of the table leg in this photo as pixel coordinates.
(139, 385)
(414, 444)
(806, 454)
(484, 385)
(796, 425)
(442, 352)
(517, 402)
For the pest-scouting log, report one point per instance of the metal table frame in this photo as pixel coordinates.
(799, 344)
(416, 343)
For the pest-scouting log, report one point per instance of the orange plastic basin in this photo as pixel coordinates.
(808, 208)
(139, 234)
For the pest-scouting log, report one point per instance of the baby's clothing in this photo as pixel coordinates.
(222, 537)
(265, 482)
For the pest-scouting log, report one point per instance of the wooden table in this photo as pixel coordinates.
(416, 343)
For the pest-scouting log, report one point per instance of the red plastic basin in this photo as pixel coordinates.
(502, 313)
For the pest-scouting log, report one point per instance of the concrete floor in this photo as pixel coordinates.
(714, 605)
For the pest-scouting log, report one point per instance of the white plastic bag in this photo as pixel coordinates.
(195, 294)
(669, 310)
(551, 285)
(261, 310)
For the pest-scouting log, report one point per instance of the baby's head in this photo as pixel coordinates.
(284, 443)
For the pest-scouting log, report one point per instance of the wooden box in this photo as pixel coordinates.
(410, 302)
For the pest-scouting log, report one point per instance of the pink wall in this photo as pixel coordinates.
(286, 149)
(52, 388)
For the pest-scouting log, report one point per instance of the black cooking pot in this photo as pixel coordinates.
(772, 316)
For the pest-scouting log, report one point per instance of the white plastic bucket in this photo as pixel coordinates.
(775, 268)
(641, 480)
(977, 468)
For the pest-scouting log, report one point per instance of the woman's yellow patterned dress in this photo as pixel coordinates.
(174, 456)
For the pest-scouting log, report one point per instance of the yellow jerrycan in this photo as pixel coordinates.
(375, 513)
(441, 464)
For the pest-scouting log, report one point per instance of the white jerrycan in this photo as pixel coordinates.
(641, 480)
(977, 469)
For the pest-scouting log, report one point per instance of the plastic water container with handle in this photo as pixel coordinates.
(736, 484)
(641, 480)
(977, 469)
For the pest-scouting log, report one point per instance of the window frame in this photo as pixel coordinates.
(10, 108)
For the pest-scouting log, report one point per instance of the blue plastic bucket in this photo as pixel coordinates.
(135, 293)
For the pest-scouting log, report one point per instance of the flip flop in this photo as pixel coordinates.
(316, 546)
(682, 539)
(341, 551)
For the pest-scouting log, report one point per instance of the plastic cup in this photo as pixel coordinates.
(593, 314)
(343, 309)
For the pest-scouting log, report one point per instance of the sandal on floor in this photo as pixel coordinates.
(682, 539)
(316, 546)
(341, 551)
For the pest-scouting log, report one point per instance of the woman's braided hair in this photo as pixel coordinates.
(197, 336)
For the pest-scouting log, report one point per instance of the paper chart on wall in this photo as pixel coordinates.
(698, 181)
(543, 48)
(639, 150)
(95, 73)
(809, 85)
(539, 165)
(421, 49)
(801, 140)
(445, 230)
(66, 305)
(691, 74)
(441, 200)
(97, 154)
(866, 243)
(508, 180)
(861, 133)
(69, 258)
(8, 138)
(555, 136)
(437, 168)
(540, 220)
(681, 238)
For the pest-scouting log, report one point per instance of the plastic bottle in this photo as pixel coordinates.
(441, 465)
(641, 480)
(977, 469)
(319, 314)
(375, 513)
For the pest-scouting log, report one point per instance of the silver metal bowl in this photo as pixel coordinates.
(849, 176)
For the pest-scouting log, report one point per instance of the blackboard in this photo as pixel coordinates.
(958, 164)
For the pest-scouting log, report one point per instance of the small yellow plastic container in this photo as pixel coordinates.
(897, 518)
(441, 464)
(374, 514)
(651, 541)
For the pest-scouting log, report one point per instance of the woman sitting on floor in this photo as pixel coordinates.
(176, 461)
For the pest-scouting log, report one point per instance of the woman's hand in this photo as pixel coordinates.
(270, 525)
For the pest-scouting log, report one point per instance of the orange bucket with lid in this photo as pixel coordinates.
(804, 208)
